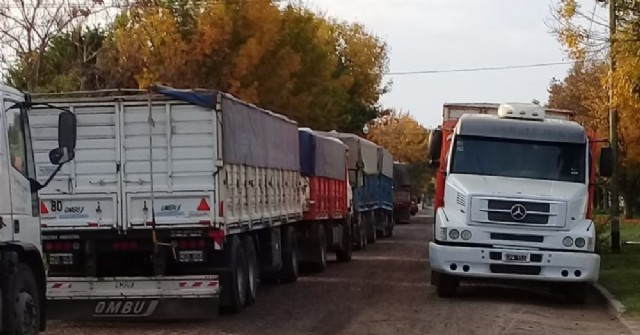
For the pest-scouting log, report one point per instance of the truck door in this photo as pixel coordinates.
(85, 193)
(24, 224)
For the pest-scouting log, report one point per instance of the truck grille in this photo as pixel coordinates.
(525, 212)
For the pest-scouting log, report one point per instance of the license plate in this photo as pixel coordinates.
(518, 258)
(190, 256)
(61, 259)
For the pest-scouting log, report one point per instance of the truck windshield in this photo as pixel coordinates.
(519, 159)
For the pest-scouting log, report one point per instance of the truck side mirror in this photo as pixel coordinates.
(435, 147)
(606, 162)
(66, 139)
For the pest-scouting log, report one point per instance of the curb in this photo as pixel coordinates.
(616, 308)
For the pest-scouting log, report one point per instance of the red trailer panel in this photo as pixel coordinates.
(327, 199)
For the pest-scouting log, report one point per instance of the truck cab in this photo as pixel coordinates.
(513, 198)
(22, 273)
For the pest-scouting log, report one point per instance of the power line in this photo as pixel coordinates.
(477, 69)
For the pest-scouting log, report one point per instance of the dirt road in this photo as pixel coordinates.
(384, 290)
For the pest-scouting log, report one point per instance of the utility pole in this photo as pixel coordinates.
(613, 134)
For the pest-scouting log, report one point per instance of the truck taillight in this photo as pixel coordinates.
(192, 244)
(125, 245)
(61, 246)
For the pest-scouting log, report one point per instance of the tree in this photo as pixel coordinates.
(402, 135)
(27, 28)
(323, 73)
(406, 140)
(68, 64)
(586, 39)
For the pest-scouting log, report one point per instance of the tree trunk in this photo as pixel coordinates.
(629, 204)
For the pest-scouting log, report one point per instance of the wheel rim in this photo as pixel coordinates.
(27, 313)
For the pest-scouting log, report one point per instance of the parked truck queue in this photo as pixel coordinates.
(174, 204)
(179, 202)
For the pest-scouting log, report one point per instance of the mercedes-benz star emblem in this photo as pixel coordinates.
(518, 212)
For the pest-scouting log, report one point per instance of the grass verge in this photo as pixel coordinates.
(620, 272)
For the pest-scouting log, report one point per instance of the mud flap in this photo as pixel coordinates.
(114, 298)
(119, 309)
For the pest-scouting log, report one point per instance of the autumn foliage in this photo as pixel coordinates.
(585, 89)
(321, 72)
(406, 140)
(402, 135)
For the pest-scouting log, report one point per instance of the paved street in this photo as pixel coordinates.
(385, 290)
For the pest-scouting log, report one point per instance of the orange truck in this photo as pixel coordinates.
(514, 188)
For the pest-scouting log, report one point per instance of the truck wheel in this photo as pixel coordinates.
(343, 254)
(388, 226)
(372, 234)
(576, 293)
(237, 280)
(447, 285)
(434, 278)
(23, 302)
(377, 219)
(252, 270)
(290, 259)
(358, 235)
(364, 230)
(320, 260)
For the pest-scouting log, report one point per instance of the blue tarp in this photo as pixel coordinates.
(322, 156)
(202, 99)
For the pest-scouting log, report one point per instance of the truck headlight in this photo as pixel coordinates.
(454, 234)
(567, 241)
(580, 242)
(466, 235)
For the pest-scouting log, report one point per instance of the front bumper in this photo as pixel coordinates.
(177, 298)
(477, 262)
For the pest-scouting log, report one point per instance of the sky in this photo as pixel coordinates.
(461, 34)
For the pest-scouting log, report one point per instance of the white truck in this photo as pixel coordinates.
(177, 203)
(514, 189)
(22, 272)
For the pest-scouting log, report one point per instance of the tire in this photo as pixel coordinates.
(344, 254)
(23, 303)
(290, 257)
(236, 281)
(435, 276)
(576, 293)
(372, 234)
(388, 226)
(380, 233)
(447, 285)
(320, 260)
(363, 229)
(252, 270)
(358, 235)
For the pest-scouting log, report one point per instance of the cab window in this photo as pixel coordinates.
(15, 134)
